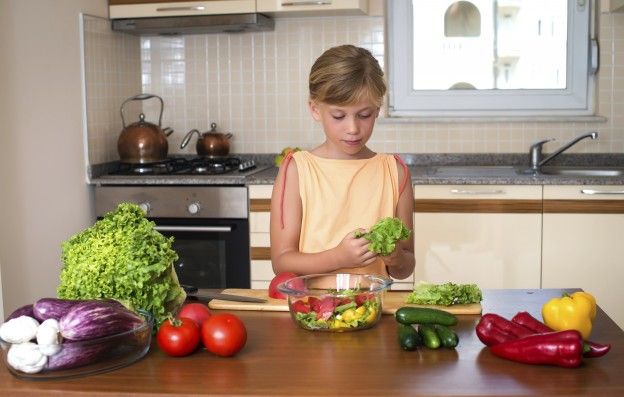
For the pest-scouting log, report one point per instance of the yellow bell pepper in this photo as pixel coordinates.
(575, 311)
(590, 297)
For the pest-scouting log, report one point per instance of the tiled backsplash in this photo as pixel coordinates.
(112, 74)
(254, 85)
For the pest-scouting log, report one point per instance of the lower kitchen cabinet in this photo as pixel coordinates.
(583, 245)
(259, 235)
(484, 234)
(259, 217)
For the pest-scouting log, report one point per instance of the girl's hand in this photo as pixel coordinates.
(391, 260)
(353, 251)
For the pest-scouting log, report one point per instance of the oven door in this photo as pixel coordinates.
(212, 253)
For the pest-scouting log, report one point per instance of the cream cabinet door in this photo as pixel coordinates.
(584, 243)
(142, 9)
(259, 238)
(296, 8)
(484, 234)
(612, 5)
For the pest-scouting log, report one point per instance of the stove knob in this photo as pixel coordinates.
(145, 207)
(194, 208)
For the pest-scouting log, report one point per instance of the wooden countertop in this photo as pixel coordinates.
(281, 359)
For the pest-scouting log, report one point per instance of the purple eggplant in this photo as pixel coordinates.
(74, 355)
(55, 308)
(26, 310)
(97, 318)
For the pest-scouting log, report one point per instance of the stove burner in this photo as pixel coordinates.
(214, 165)
(188, 166)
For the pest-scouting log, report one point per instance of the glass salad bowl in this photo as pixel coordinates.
(72, 359)
(335, 302)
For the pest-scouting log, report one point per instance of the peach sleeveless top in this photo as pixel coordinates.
(339, 196)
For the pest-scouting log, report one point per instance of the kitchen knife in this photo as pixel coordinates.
(226, 297)
(193, 292)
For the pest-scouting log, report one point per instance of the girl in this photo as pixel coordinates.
(322, 197)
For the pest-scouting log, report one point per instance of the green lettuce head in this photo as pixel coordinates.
(123, 257)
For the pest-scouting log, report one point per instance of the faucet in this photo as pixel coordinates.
(535, 152)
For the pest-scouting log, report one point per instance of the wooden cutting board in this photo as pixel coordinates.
(392, 301)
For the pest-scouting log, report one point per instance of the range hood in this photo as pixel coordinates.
(194, 24)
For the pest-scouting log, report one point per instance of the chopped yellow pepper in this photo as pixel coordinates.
(350, 315)
(575, 311)
(372, 316)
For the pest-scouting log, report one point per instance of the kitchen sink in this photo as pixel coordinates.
(583, 171)
(502, 171)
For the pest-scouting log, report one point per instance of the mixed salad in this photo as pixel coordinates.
(343, 310)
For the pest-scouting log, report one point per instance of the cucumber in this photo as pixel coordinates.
(409, 339)
(424, 315)
(448, 338)
(429, 336)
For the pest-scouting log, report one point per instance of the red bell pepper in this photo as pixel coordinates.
(493, 329)
(590, 349)
(562, 348)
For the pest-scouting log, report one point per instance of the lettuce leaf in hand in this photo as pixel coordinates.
(444, 294)
(384, 235)
(123, 257)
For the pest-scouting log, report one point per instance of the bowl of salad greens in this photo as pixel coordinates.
(339, 302)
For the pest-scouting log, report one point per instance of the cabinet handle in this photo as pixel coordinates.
(212, 229)
(593, 191)
(306, 3)
(190, 8)
(463, 191)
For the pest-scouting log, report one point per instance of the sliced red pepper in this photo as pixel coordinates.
(562, 348)
(343, 301)
(361, 298)
(315, 303)
(300, 307)
(590, 349)
(326, 307)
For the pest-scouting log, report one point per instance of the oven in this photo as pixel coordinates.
(209, 225)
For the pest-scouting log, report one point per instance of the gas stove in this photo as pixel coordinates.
(189, 166)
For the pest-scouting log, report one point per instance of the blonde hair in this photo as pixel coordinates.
(345, 75)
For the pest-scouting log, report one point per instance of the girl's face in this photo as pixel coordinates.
(347, 127)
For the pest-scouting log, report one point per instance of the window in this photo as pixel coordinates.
(490, 58)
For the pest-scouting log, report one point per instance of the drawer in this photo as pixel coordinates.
(473, 192)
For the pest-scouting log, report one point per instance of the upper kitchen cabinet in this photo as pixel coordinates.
(119, 9)
(612, 5)
(283, 8)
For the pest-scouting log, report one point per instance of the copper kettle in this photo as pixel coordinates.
(143, 142)
(210, 143)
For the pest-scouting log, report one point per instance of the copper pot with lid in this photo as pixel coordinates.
(210, 143)
(143, 142)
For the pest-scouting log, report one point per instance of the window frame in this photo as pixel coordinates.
(577, 99)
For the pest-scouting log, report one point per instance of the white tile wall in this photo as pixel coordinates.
(254, 85)
(112, 74)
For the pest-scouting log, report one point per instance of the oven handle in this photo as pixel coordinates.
(219, 229)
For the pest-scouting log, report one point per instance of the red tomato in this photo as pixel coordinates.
(224, 334)
(197, 312)
(178, 337)
(277, 280)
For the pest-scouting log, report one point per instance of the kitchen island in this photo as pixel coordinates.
(280, 359)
